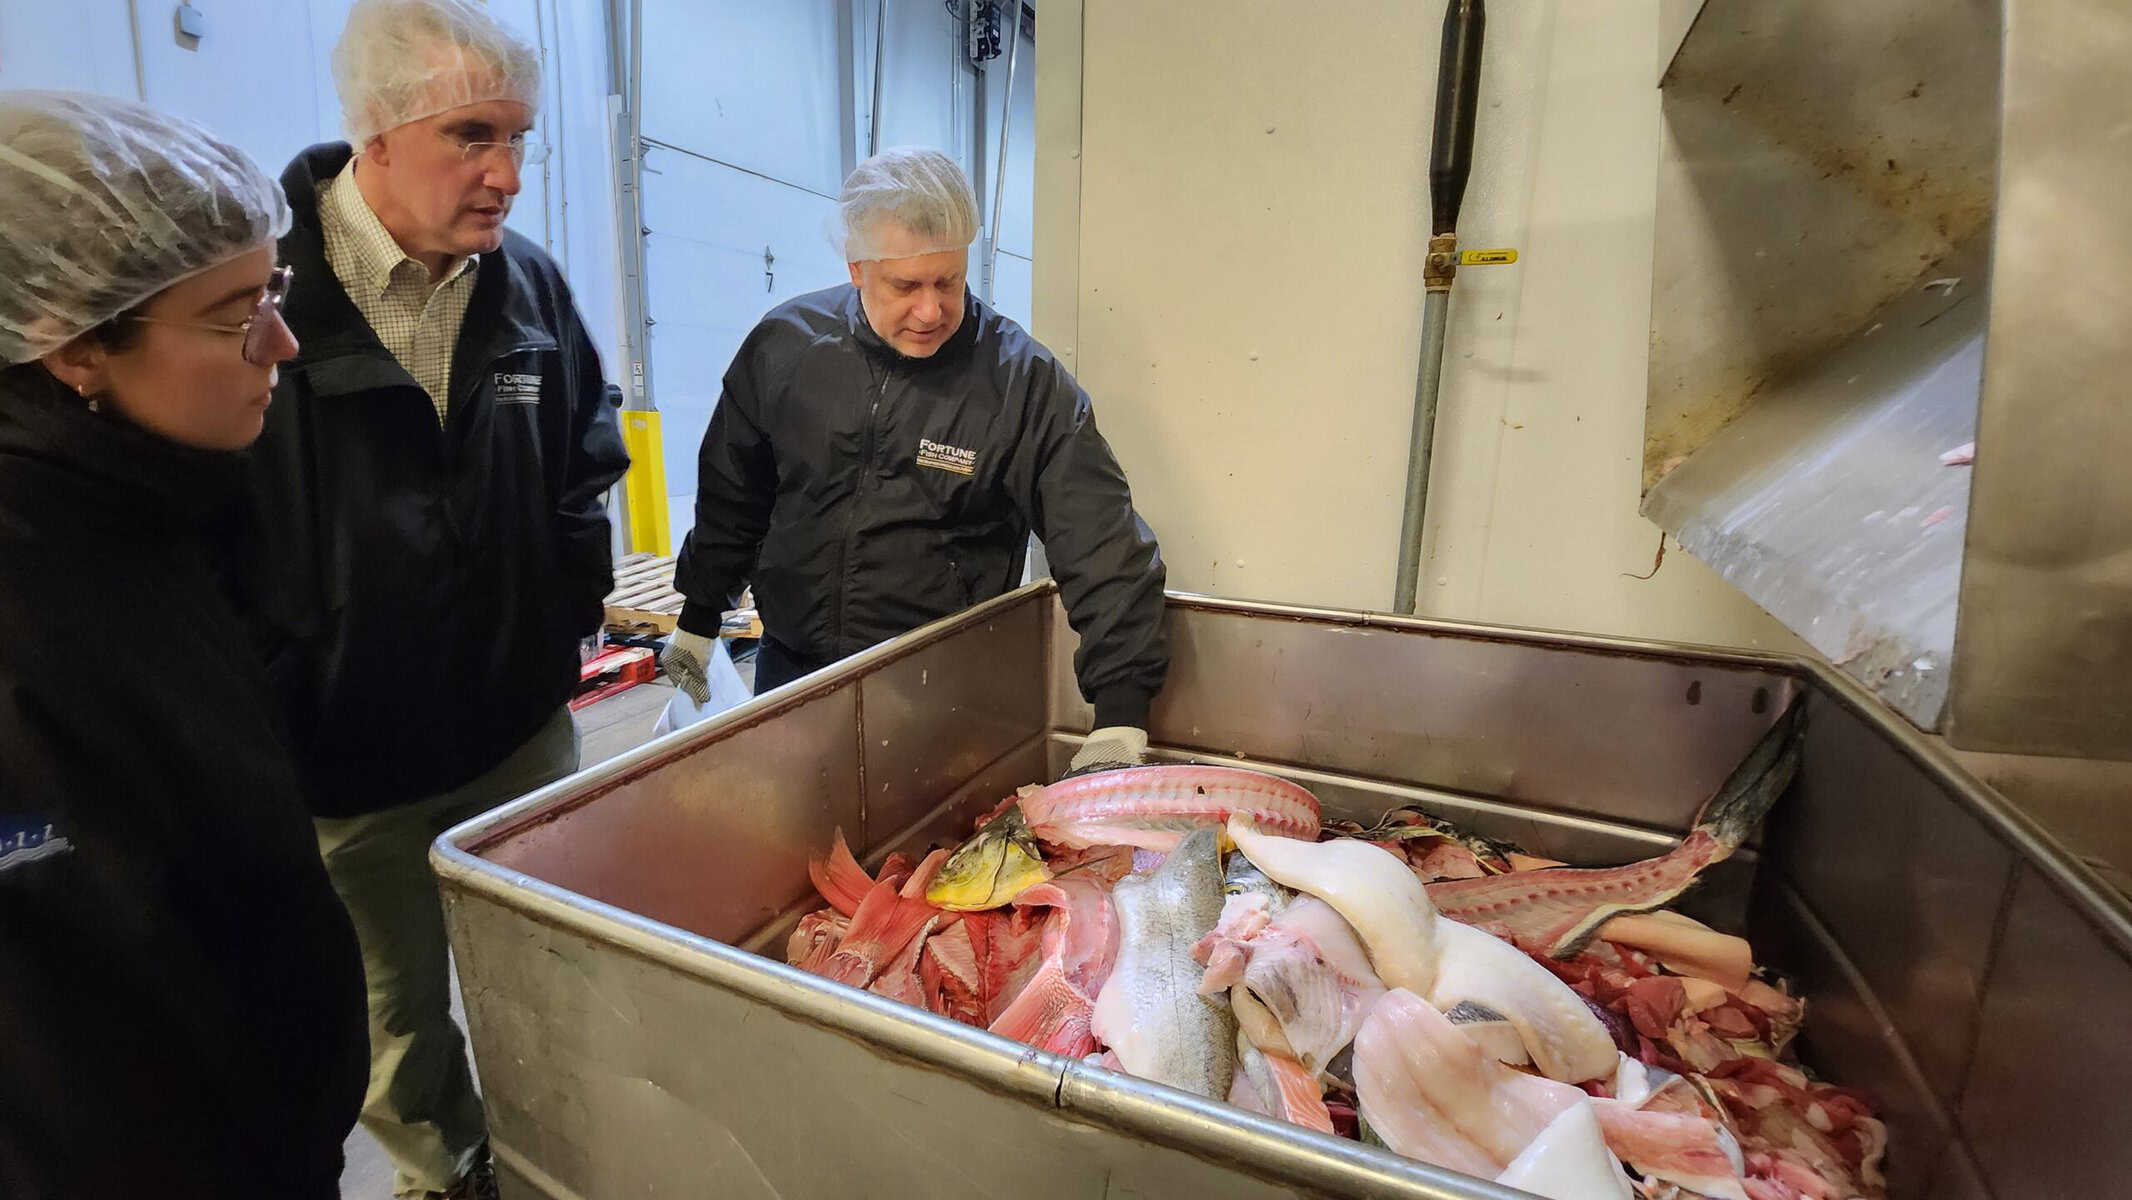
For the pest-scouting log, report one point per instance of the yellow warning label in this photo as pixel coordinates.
(1487, 258)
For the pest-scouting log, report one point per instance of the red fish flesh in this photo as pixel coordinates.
(883, 925)
(1054, 1011)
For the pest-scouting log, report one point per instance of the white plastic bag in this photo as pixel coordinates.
(727, 689)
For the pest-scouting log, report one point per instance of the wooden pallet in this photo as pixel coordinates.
(644, 600)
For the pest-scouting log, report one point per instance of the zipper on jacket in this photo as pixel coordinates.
(851, 521)
(961, 582)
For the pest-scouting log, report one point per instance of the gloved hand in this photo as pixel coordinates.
(686, 660)
(1108, 749)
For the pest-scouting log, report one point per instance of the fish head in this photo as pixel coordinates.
(1000, 862)
(1241, 878)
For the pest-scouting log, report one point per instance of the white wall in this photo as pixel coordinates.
(1013, 268)
(750, 139)
(1232, 207)
(746, 152)
(261, 78)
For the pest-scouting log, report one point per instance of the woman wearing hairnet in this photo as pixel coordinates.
(181, 1001)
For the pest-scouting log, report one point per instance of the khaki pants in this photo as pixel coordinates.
(421, 1105)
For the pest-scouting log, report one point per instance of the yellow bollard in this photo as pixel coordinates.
(644, 488)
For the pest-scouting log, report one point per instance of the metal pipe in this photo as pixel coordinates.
(1435, 305)
(873, 114)
(999, 161)
(1458, 82)
(636, 68)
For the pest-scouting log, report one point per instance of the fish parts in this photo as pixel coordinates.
(1279, 1087)
(1306, 970)
(1557, 911)
(1154, 808)
(1567, 1041)
(1056, 1009)
(1430, 1092)
(1150, 1012)
(1367, 885)
(883, 925)
(1151, 808)
(1570, 1160)
(1448, 963)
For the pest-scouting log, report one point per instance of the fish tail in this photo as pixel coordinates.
(1756, 783)
(839, 877)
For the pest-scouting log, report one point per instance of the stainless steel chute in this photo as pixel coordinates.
(1957, 962)
(1884, 231)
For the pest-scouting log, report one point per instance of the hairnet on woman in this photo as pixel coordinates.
(180, 989)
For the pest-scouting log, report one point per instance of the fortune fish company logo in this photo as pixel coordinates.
(946, 458)
(513, 388)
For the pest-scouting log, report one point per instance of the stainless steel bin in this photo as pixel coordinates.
(1958, 963)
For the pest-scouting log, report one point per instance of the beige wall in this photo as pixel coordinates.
(1230, 210)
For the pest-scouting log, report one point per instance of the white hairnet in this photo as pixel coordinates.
(104, 203)
(905, 202)
(403, 60)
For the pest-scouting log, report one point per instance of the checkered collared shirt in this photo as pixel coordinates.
(417, 320)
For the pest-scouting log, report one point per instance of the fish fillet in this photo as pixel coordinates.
(1155, 807)
(1366, 884)
(1685, 946)
(1431, 1093)
(1569, 1161)
(1150, 1012)
(1677, 1147)
(1567, 1041)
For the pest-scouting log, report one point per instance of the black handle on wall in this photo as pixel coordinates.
(1458, 87)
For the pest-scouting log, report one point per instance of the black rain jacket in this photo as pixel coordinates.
(181, 998)
(419, 591)
(864, 493)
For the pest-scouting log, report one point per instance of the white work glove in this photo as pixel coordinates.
(1108, 749)
(687, 661)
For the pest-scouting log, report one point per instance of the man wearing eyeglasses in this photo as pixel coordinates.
(429, 544)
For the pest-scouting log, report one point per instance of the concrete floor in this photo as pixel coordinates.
(611, 727)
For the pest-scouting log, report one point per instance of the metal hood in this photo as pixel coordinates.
(1886, 231)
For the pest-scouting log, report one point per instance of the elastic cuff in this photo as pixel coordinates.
(701, 619)
(1123, 704)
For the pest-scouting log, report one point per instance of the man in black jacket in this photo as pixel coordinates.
(882, 452)
(429, 543)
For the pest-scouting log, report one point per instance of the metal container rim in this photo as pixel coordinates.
(456, 858)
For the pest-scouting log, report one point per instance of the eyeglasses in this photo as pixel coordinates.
(519, 150)
(265, 315)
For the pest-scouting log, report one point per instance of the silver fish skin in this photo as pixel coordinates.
(1150, 1012)
(1240, 878)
